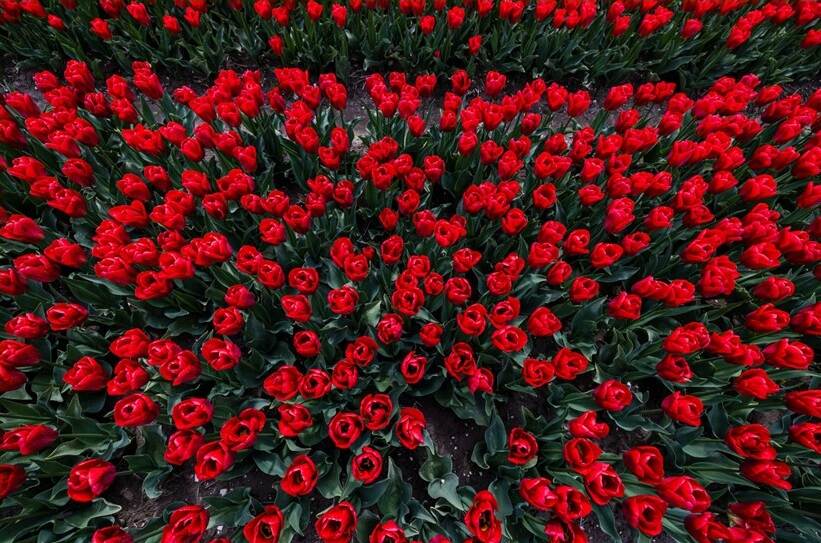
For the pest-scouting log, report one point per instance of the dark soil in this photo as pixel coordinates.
(456, 438)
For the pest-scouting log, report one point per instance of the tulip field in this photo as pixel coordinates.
(447, 271)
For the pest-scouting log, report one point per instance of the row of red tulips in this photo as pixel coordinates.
(237, 280)
(694, 41)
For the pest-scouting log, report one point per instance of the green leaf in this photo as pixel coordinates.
(496, 436)
(435, 467)
(585, 322)
(98, 508)
(446, 487)
(607, 522)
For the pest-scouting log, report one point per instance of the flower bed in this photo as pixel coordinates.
(245, 282)
(692, 42)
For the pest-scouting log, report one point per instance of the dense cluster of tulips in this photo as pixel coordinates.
(245, 280)
(692, 40)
